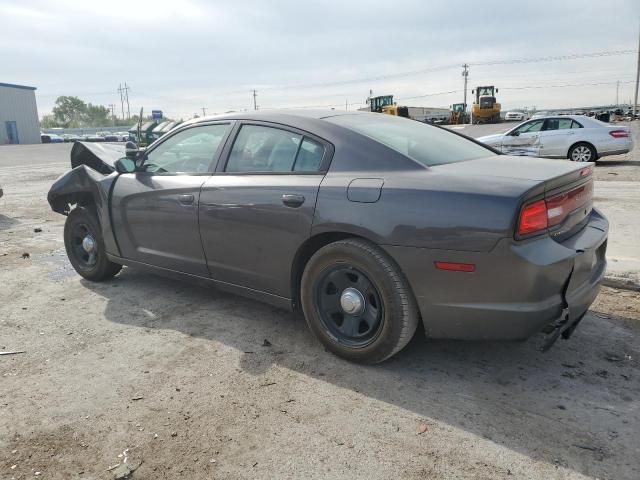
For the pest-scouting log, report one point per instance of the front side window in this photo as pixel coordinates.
(534, 126)
(267, 149)
(189, 151)
(426, 144)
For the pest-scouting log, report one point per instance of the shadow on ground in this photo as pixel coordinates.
(574, 406)
(618, 163)
(7, 222)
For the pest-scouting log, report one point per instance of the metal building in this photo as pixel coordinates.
(18, 114)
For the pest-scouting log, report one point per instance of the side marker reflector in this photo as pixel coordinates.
(456, 267)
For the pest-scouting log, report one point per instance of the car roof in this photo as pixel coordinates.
(277, 114)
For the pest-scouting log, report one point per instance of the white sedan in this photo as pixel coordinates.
(514, 116)
(578, 138)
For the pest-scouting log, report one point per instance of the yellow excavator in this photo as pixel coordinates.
(457, 115)
(384, 104)
(485, 109)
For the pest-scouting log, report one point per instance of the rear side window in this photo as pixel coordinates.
(575, 124)
(558, 124)
(309, 156)
(267, 149)
(419, 141)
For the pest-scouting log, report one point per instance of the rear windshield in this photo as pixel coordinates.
(419, 141)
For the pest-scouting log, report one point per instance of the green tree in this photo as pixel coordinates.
(97, 116)
(69, 112)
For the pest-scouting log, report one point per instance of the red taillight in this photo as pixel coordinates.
(552, 211)
(619, 133)
(533, 218)
(455, 266)
(562, 204)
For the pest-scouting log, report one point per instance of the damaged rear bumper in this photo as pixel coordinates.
(517, 290)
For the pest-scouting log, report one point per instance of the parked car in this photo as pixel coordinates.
(93, 137)
(366, 222)
(578, 138)
(51, 138)
(111, 137)
(514, 116)
(123, 136)
(71, 137)
(539, 115)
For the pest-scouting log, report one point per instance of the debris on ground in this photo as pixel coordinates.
(266, 343)
(37, 230)
(422, 428)
(25, 255)
(13, 353)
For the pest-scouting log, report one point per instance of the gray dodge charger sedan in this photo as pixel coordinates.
(366, 222)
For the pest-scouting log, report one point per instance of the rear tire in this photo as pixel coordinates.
(85, 246)
(582, 152)
(355, 272)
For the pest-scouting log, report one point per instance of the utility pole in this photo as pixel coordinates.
(617, 92)
(465, 74)
(255, 101)
(113, 115)
(120, 91)
(204, 111)
(126, 94)
(635, 98)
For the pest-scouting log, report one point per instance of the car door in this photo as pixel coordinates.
(556, 137)
(524, 139)
(258, 208)
(155, 210)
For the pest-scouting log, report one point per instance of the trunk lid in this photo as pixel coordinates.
(563, 189)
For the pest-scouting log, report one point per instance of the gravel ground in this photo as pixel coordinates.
(178, 380)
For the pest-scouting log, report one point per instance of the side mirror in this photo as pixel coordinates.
(515, 133)
(125, 165)
(131, 150)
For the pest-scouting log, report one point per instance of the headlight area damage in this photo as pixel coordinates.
(88, 184)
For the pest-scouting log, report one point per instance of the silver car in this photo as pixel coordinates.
(576, 137)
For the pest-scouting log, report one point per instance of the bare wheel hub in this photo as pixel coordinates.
(352, 301)
(88, 244)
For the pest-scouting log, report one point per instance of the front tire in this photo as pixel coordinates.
(85, 246)
(357, 302)
(582, 152)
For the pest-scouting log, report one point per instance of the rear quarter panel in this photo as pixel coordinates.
(423, 209)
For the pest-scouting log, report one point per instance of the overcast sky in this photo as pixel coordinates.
(183, 55)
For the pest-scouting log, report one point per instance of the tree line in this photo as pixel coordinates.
(72, 112)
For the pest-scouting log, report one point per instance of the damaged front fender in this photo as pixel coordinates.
(84, 186)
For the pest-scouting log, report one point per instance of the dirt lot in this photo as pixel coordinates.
(178, 380)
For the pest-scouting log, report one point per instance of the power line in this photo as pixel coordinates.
(555, 58)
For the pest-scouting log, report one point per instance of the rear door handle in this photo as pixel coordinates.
(186, 199)
(292, 200)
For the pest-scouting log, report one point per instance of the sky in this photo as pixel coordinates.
(186, 55)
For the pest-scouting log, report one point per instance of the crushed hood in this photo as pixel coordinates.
(99, 156)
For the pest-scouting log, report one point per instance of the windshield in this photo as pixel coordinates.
(419, 141)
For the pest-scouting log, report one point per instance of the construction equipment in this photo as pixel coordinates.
(458, 114)
(376, 104)
(385, 104)
(485, 109)
(396, 110)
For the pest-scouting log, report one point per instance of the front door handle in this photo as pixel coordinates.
(186, 199)
(292, 200)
